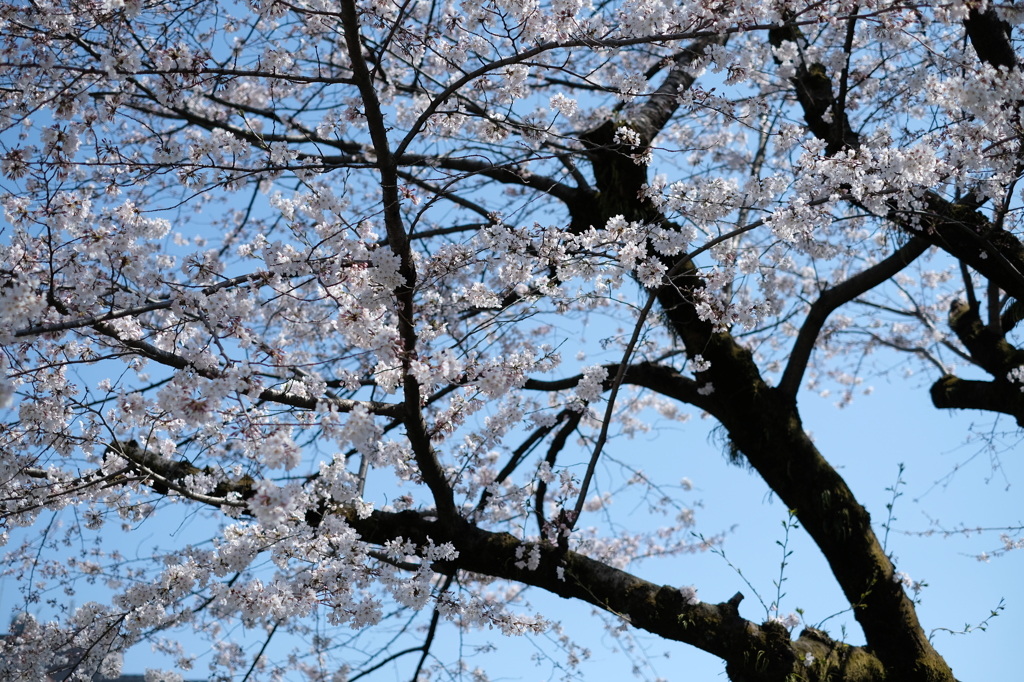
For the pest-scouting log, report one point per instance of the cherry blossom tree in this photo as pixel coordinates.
(320, 273)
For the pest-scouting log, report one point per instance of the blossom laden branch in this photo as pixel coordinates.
(257, 279)
(399, 243)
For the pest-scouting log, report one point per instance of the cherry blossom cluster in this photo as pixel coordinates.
(296, 267)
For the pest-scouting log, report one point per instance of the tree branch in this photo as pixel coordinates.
(258, 279)
(764, 424)
(652, 116)
(837, 296)
(951, 392)
(990, 37)
(753, 652)
(762, 651)
(503, 173)
(398, 241)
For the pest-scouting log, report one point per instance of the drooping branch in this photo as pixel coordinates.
(435, 618)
